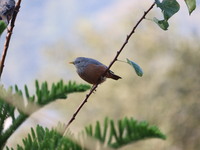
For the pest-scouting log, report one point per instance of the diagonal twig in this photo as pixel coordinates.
(8, 36)
(128, 37)
(113, 61)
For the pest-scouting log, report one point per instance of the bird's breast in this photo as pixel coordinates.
(92, 73)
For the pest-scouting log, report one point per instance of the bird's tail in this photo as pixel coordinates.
(111, 74)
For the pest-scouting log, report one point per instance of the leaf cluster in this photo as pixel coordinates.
(111, 134)
(169, 8)
(18, 106)
(125, 131)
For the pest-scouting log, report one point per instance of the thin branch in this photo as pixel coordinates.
(114, 60)
(8, 36)
(128, 37)
(80, 106)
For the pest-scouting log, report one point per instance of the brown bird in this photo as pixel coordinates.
(91, 70)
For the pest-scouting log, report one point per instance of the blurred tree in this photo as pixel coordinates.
(168, 92)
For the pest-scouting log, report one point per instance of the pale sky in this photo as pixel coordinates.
(41, 23)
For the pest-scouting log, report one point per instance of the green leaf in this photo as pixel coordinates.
(168, 7)
(191, 4)
(137, 68)
(2, 26)
(89, 130)
(163, 24)
(105, 128)
(98, 131)
(26, 92)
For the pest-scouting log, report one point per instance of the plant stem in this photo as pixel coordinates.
(128, 37)
(8, 37)
(103, 75)
(80, 106)
(121, 61)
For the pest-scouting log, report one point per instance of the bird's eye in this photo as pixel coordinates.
(78, 62)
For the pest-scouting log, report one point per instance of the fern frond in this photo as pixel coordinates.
(123, 132)
(43, 138)
(16, 100)
(110, 134)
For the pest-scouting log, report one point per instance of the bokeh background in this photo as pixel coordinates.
(49, 34)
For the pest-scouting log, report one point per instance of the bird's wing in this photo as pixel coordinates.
(92, 73)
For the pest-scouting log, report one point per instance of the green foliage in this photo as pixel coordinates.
(2, 26)
(45, 139)
(168, 8)
(191, 4)
(137, 68)
(163, 24)
(6, 111)
(57, 91)
(126, 131)
(11, 102)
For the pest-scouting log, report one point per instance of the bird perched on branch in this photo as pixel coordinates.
(91, 70)
(6, 10)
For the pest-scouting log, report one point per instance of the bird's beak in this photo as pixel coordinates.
(71, 62)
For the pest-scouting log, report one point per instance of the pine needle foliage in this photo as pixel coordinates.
(114, 135)
(123, 132)
(12, 101)
(44, 95)
(45, 139)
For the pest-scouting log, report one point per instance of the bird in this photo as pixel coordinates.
(91, 70)
(7, 8)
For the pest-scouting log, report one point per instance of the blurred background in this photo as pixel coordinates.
(49, 34)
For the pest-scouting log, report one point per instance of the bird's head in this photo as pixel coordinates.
(80, 63)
